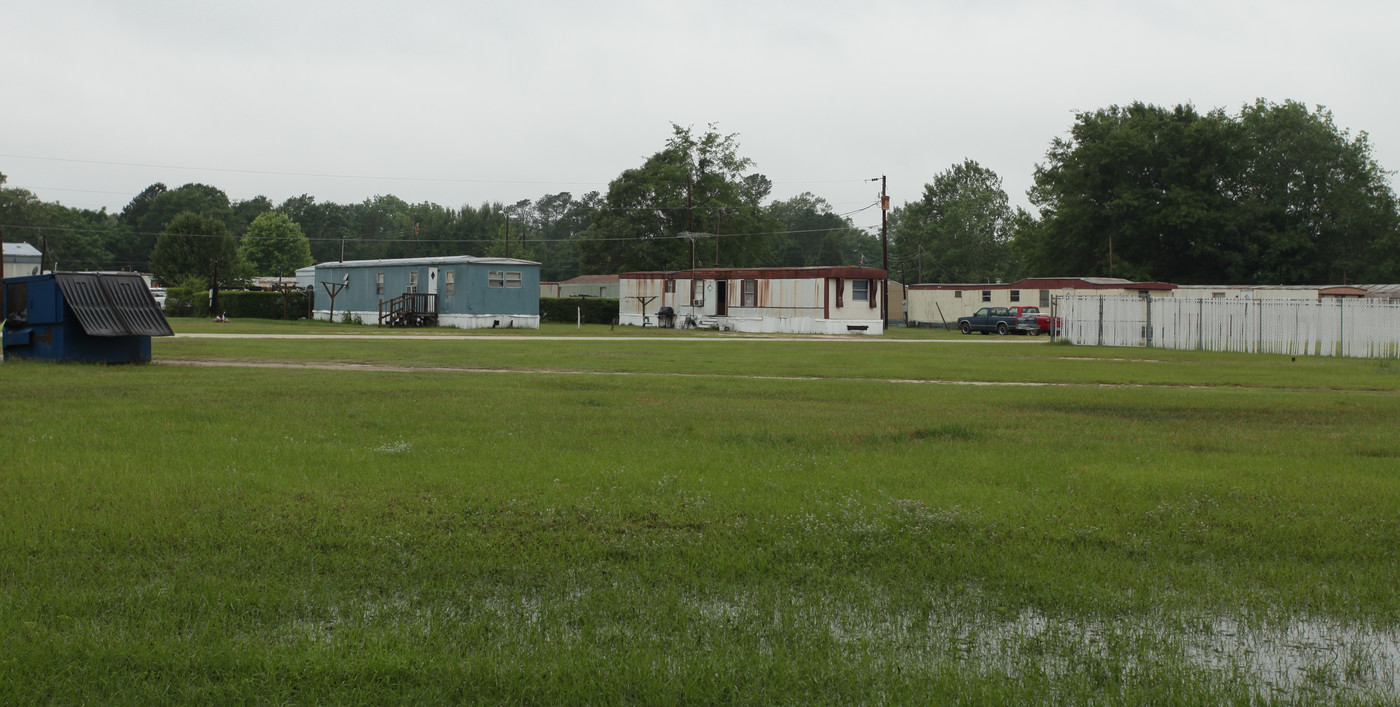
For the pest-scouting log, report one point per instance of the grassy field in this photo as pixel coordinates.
(698, 519)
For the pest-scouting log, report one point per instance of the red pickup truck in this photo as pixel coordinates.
(1041, 320)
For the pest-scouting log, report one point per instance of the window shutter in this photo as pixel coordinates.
(874, 285)
(840, 292)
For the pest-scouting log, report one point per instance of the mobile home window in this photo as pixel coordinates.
(451, 283)
(860, 290)
(1015, 295)
(958, 294)
(986, 295)
(503, 278)
(670, 286)
(413, 281)
(697, 293)
(750, 293)
(379, 283)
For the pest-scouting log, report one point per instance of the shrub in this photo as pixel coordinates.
(596, 310)
(190, 298)
(262, 305)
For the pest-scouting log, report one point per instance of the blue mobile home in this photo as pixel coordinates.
(461, 291)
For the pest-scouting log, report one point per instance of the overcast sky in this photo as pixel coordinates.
(468, 102)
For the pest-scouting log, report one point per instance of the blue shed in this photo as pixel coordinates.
(93, 317)
(461, 291)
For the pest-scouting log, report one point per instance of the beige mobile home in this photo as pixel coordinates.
(810, 300)
(942, 304)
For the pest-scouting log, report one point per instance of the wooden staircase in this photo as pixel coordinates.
(409, 309)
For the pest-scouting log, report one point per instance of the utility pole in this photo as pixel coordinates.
(885, 246)
(214, 291)
(689, 222)
(718, 220)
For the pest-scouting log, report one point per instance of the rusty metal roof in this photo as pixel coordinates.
(113, 304)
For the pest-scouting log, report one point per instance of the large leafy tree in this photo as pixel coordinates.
(324, 224)
(194, 245)
(696, 185)
(1276, 195)
(384, 227)
(71, 239)
(242, 213)
(560, 220)
(1314, 201)
(810, 233)
(275, 245)
(960, 229)
(151, 210)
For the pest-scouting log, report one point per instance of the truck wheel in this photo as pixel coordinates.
(1001, 328)
(966, 328)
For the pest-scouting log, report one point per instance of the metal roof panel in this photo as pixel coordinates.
(113, 304)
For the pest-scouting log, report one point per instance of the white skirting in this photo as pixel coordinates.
(459, 321)
(775, 325)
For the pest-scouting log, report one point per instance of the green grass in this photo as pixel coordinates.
(317, 535)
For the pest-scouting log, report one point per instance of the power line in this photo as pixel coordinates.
(391, 237)
(327, 175)
(318, 175)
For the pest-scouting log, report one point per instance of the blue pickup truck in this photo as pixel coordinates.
(998, 319)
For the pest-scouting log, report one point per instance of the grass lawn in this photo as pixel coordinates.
(698, 520)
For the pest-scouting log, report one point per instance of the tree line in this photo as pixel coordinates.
(1273, 194)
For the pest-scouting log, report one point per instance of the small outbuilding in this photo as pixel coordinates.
(21, 259)
(582, 286)
(794, 300)
(92, 317)
(461, 291)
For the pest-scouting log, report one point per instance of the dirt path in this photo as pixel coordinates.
(717, 337)
(381, 368)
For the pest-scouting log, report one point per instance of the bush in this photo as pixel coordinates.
(261, 305)
(596, 310)
(190, 298)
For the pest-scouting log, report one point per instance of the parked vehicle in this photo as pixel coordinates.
(1042, 321)
(997, 319)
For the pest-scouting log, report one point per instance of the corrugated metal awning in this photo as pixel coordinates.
(113, 304)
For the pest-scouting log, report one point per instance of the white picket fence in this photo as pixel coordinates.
(1332, 327)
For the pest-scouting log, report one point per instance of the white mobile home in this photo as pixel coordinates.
(1261, 292)
(942, 304)
(810, 300)
(21, 259)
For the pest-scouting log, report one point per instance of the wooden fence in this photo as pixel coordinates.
(1331, 327)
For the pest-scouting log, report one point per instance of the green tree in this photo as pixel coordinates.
(242, 213)
(560, 219)
(1313, 199)
(960, 230)
(1277, 195)
(809, 233)
(274, 245)
(384, 229)
(696, 185)
(192, 245)
(148, 213)
(71, 239)
(325, 225)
